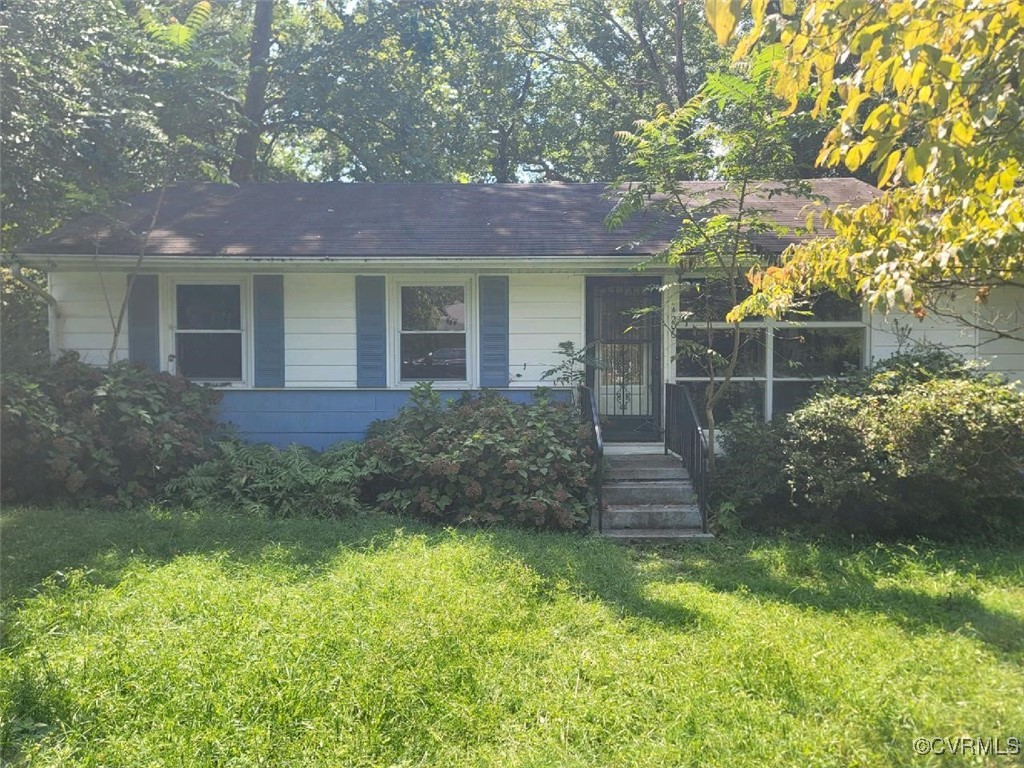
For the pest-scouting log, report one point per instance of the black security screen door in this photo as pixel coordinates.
(627, 381)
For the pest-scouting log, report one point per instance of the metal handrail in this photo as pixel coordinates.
(685, 437)
(589, 415)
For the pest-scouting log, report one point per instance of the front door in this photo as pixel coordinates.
(627, 346)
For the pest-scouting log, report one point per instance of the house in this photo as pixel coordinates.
(316, 307)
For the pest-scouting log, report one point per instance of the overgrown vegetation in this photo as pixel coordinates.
(79, 432)
(23, 335)
(74, 431)
(922, 443)
(265, 481)
(482, 459)
(201, 640)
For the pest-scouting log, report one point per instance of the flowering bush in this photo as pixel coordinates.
(77, 431)
(482, 459)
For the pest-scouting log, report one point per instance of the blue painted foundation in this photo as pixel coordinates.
(322, 417)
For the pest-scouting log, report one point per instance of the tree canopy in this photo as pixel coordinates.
(356, 90)
(927, 94)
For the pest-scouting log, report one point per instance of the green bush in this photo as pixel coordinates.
(269, 482)
(482, 459)
(23, 335)
(920, 444)
(749, 471)
(76, 431)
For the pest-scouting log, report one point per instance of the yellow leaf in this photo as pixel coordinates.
(889, 168)
(723, 16)
(853, 102)
(878, 119)
(963, 133)
(757, 10)
(858, 153)
(912, 171)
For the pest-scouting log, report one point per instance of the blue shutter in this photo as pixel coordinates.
(144, 321)
(494, 331)
(268, 330)
(371, 332)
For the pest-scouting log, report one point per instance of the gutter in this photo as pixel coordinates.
(503, 264)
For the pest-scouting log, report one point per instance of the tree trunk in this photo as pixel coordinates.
(709, 414)
(248, 141)
(682, 85)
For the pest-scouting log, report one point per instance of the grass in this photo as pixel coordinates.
(152, 639)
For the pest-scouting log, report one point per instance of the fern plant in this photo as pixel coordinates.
(266, 481)
(176, 34)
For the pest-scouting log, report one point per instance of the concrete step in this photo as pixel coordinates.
(618, 472)
(625, 449)
(639, 492)
(647, 460)
(658, 535)
(650, 517)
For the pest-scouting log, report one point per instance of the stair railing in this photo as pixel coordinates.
(685, 438)
(590, 416)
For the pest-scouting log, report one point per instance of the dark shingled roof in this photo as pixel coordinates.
(335, 220)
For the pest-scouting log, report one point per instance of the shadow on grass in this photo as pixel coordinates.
(898, 584)
(41, 542)
(593, 567)
(926, 591)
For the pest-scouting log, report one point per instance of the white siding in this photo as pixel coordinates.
(544, 310)
(319, 330)
(84, 324)
(1004, 309)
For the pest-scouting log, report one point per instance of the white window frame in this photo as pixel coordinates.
(468, 285)
(769, 379)
(168, 340)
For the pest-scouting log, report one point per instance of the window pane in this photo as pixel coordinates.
(694, 359)
(433, 356)
(709, 300)
(433, 308)
(209, 356)
(827, 306)
(818, 352)
(209, 307)
(739, 395)
(787, 396)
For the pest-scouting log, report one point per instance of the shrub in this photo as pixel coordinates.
(77, 431)
(482, 459)
(920, 444)
(749, 471)
(269, 482)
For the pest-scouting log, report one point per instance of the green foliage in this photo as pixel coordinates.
(76, 431)
(929, 97)
(23, 335)
(572, 370)
(176, 34)
(483, 460)
(749, 474)
(201, 639)
(920, 365)
(921, 444)
(265, 481)
(92, 103)
(730, 133)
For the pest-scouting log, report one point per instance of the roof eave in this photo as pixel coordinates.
(176, 262)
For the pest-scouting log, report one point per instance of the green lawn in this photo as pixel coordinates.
(152, 639)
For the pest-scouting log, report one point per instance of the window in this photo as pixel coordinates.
(780, 362)
(208, 337)
(432, 343)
